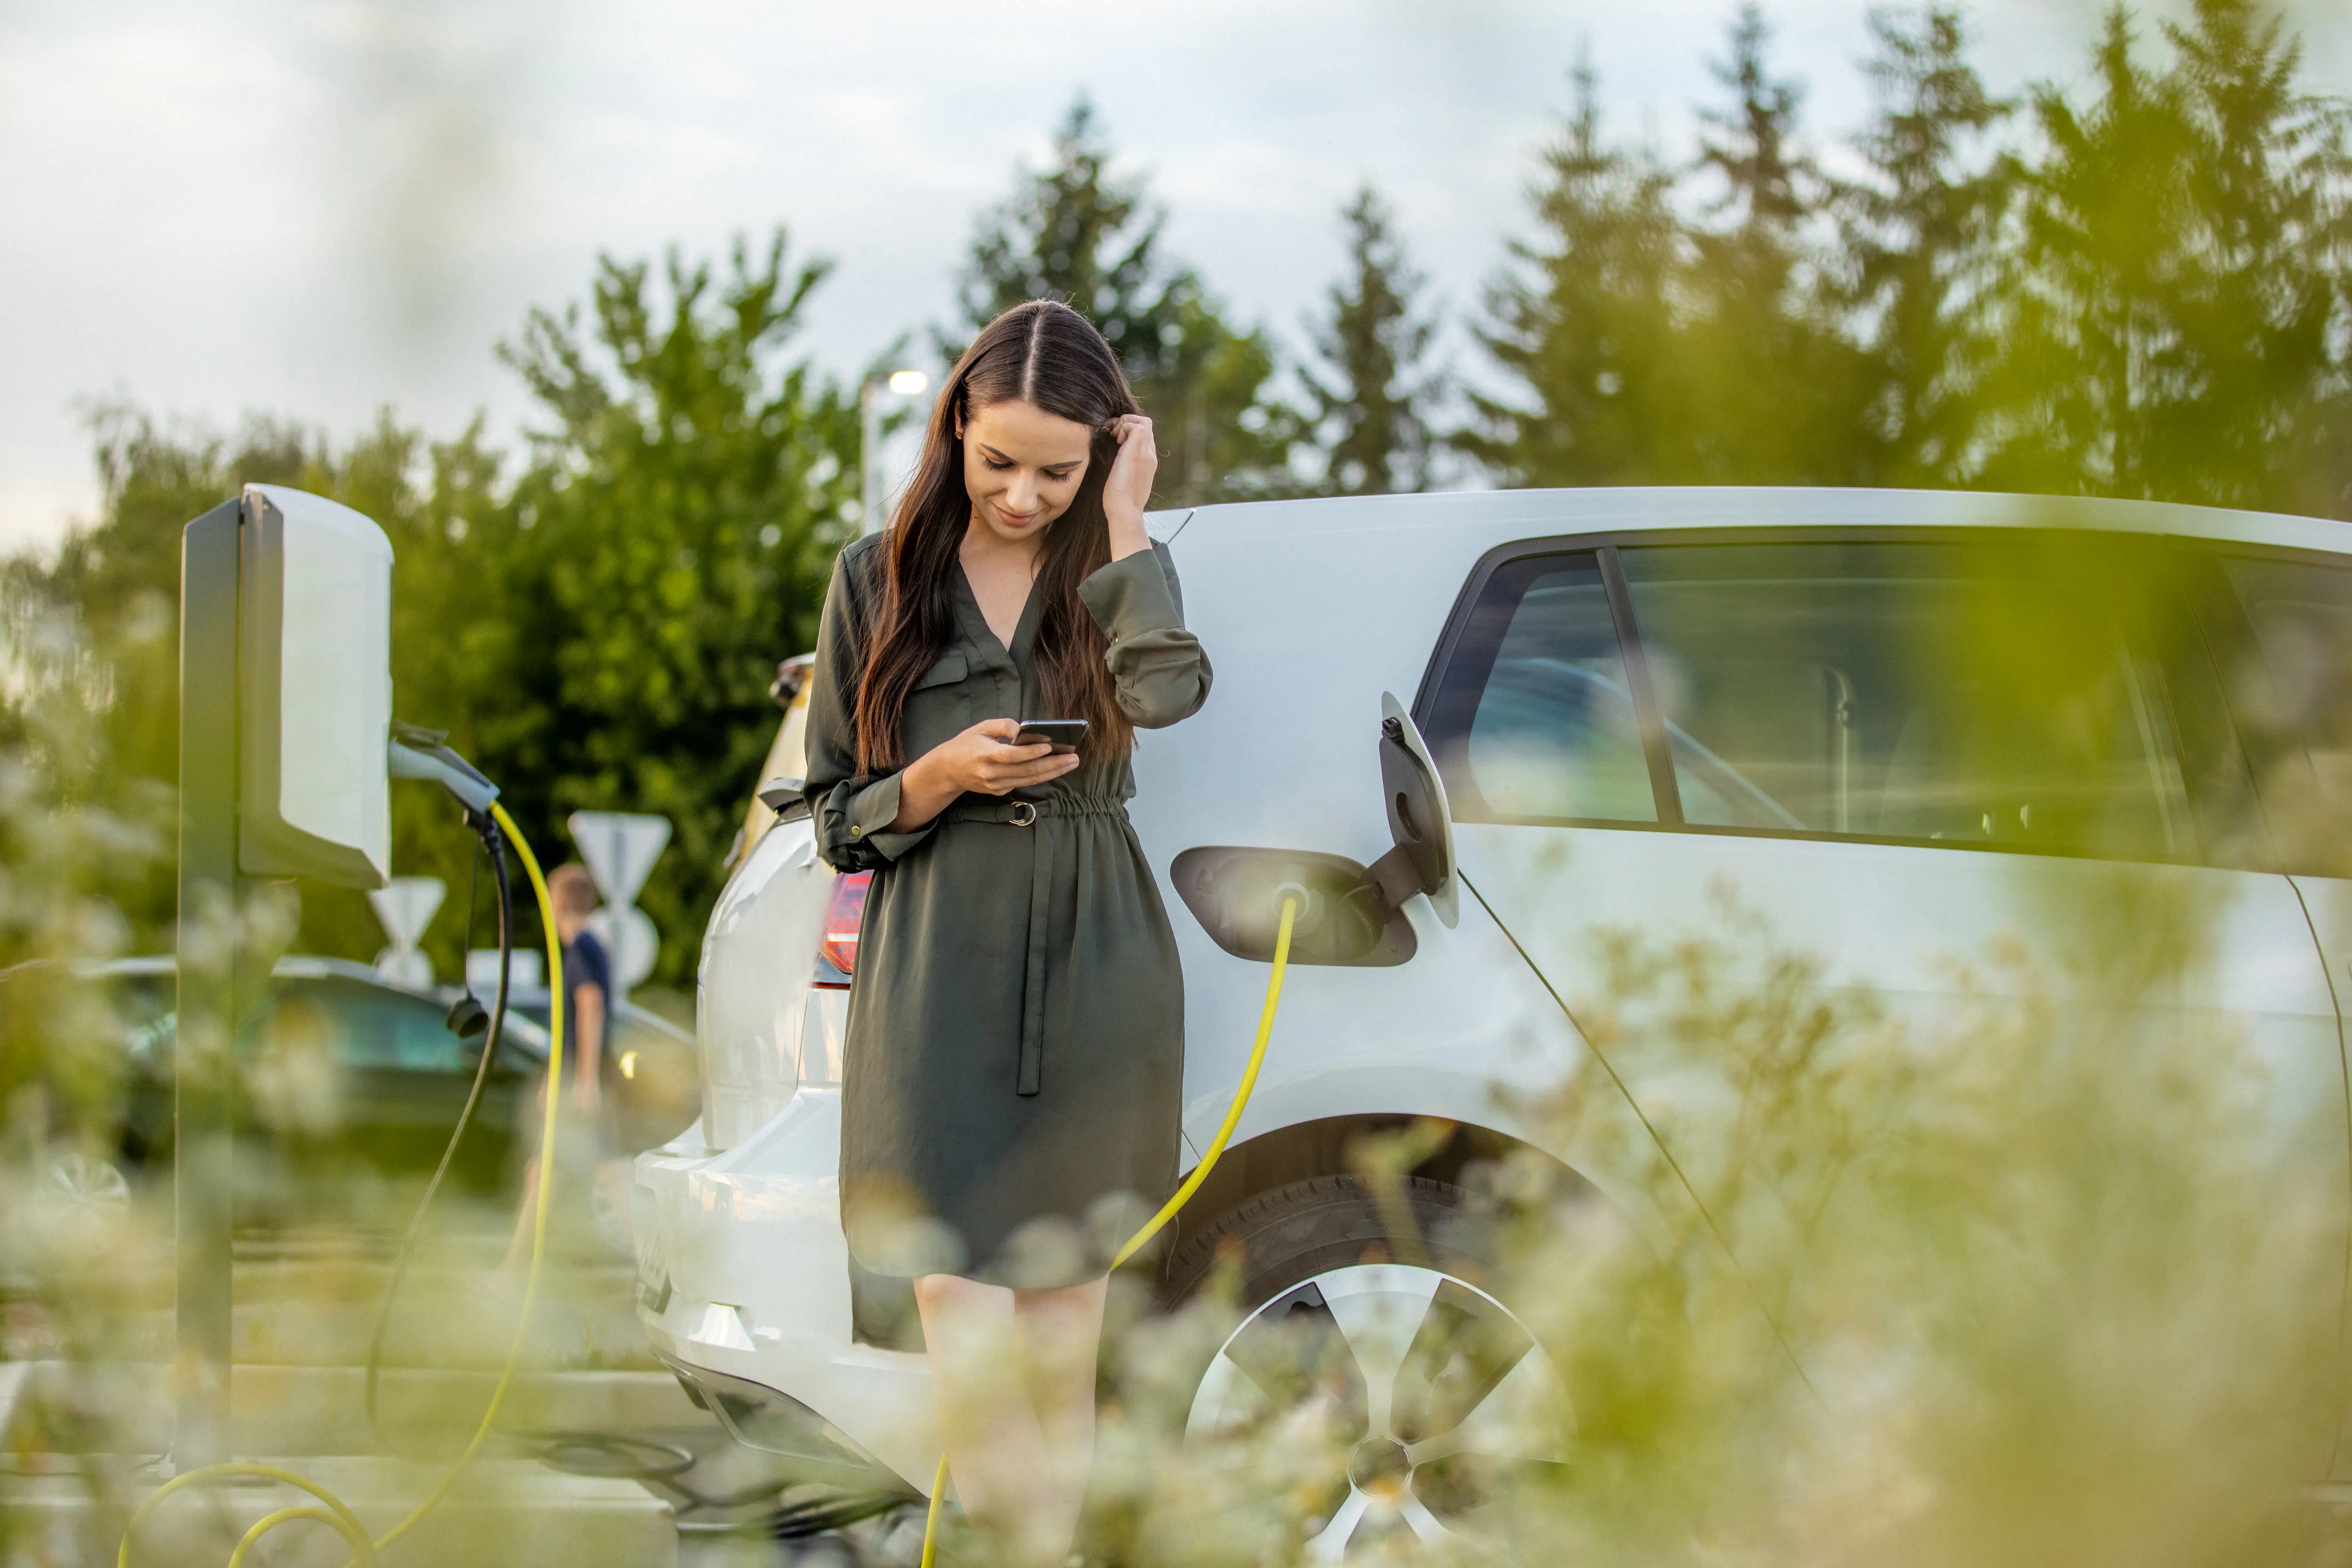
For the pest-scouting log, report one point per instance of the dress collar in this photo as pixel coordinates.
(983, 637)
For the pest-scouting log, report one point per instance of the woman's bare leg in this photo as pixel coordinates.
(995, 1449)
(1060, 1332)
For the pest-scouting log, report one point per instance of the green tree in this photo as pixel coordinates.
(122, 571)
(1777, 393)
(1371, 408)
(1075, 232)
(1753, 148)
(76, 839)
(121, 575)
(1659, 352)
(598, 634)
(668, 542)
(1921, 238)
(1584, 321)
(2175, 313)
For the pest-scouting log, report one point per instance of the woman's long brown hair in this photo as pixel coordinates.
(1046, 354)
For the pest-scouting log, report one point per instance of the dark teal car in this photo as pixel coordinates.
(345, 1080)
(349, 1085)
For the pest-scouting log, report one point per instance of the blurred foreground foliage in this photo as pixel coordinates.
(78, 844)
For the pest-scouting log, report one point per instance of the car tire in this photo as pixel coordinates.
(1382, 1307)
(1293, 1232)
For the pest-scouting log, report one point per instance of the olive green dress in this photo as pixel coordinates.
(1014, 1061)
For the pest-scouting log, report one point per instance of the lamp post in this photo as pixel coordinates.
(898, 384)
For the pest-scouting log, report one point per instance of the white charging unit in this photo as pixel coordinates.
(285, 729)
(314, 670)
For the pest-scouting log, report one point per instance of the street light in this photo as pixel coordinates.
(899, 384)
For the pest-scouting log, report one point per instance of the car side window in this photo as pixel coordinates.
(1964, 694)
(389, 1031)
(1533, 719)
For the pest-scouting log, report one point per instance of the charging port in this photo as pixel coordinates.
(1236, 894)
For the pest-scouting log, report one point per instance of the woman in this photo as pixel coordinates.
(1015, 1045)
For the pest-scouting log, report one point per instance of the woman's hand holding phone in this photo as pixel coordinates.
(982, 760)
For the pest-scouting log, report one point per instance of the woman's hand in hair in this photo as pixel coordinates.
(981, 761)
(1128, 489)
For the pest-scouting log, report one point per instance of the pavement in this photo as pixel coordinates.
(84, 1431)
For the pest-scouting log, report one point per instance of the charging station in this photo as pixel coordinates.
(288, 748)
(285, 726)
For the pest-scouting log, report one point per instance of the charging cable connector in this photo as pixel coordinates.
(420, 754)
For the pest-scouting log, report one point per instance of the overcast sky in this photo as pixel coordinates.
(323, 209)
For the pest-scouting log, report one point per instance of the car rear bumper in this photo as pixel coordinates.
(743, 1279)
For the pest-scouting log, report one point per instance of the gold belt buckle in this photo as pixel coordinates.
(1019, 807)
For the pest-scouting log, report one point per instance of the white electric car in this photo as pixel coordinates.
(1631, 696)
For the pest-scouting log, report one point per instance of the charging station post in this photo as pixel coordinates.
(204, 1066)
(285, 731)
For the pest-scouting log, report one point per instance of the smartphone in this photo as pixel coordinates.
(1062, 734)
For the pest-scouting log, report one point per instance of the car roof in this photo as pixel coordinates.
(1504, 514)
(293, 966)
(528, 1033)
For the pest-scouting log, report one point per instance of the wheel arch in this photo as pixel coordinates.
(1447, 1148)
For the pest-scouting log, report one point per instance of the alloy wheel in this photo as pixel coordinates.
(1443, 1398)
(82, 1184)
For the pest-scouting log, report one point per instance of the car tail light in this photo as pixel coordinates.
(843, 913)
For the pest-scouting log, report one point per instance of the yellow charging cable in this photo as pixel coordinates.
(1241, 1094)
(345, 1522)
(1191, 1183)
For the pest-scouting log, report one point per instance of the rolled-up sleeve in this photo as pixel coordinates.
(1157, 668)
(852, 811)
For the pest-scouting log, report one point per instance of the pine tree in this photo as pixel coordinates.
(2084, 321)
(1585, 321)
(1371, 408)
(1075, 232)
(1777, 395)
(1753, 147)
(2270, 317)
(1920, 241)
(2175, 315)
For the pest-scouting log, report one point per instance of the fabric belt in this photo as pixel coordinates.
(1031, 1076)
